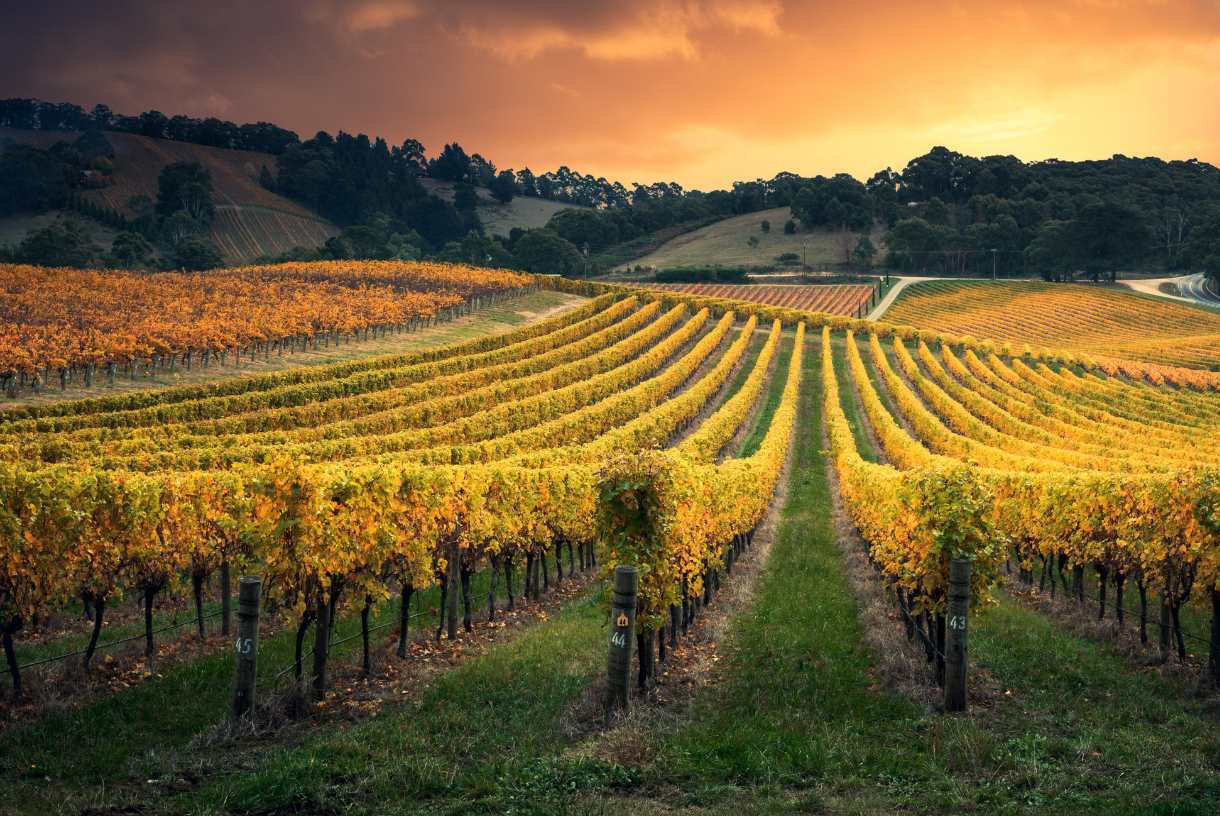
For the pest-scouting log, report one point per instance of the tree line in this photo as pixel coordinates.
(1056, 219)
(946, 213)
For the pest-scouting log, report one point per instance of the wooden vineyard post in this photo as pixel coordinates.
(622, 635)
(246, 645)
(955, 641)
(1213, 653)
(226, 595)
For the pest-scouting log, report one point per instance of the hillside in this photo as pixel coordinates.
(725, 243)
(251, 220)
(499, 219)
(1097, 320)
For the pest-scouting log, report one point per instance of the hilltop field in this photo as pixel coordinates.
(499, 219)
(1100, 320)
(725, 243)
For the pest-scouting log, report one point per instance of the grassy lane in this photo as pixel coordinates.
(144, 731)
(848, 401)
(771, 397)
(747, 364)
(794, 707)
(1080, 729)
(477, 741)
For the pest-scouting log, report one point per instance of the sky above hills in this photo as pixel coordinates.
(698, 91)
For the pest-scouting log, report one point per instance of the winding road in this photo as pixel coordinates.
(1191, 289)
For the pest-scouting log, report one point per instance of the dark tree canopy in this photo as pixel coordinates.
(130, 250)
(504, 186)
(840, 201)
(64, 242)
(195, 254)
(32, 180)
(543, 251)
(451, 165)
(186, 186)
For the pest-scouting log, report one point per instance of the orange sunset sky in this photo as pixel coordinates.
(698, 92)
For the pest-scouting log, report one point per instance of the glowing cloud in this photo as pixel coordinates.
(376, 16)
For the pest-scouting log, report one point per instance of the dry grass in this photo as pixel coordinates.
(138, 161)
(724, 243)
(499, 219)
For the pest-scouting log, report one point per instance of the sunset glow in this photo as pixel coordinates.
(699, 92)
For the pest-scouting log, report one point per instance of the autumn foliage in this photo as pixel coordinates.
(57, 319)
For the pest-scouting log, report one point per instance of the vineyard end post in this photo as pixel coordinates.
(246, 644)
(622, 636)
(956, 636)
(226, 600)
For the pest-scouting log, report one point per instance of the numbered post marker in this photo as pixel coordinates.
(245, 646)
(956, 641)
(622, 636)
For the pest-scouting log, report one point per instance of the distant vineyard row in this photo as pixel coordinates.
(837, 299)
(251, 232)
(72, 322)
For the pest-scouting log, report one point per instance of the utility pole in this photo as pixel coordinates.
(993, 264)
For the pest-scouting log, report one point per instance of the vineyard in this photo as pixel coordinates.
(1102, 322)
(996, 459)
(836, 299)
(645, 428)
(76, 325)
(342, 484)
(252, 231)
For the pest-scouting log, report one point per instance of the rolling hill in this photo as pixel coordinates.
(251, 220)
(725, 243)
(499, 219)
(1098, 320)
